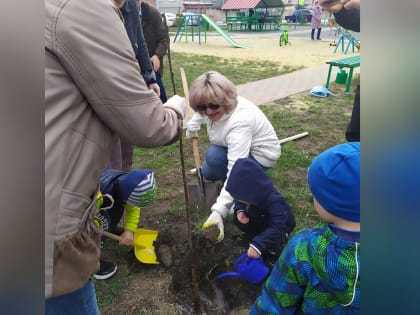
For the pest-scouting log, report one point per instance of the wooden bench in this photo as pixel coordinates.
(348, 62)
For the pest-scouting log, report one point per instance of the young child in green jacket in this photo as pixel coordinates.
(318, 272)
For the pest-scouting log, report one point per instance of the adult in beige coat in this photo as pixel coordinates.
(93, 89)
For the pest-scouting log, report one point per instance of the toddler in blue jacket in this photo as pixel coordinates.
(259, 209)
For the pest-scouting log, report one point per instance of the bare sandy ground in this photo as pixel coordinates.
(301, 52)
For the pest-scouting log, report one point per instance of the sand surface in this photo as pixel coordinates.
(301, 52)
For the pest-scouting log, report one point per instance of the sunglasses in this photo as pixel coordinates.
(203, 108)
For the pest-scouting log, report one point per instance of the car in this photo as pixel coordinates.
(170, 18)
(299, 16)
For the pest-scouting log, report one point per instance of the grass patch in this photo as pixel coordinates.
(239, 71)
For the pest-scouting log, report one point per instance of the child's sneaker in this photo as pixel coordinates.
(106, 270)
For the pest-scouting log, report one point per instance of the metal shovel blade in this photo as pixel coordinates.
(201, 195)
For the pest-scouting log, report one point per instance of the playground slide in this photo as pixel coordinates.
(229, 39)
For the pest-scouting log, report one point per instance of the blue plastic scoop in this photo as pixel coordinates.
(251, 269)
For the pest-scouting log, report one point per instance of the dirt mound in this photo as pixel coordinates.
(216, 296)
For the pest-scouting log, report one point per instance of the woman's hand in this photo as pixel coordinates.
(155, 62)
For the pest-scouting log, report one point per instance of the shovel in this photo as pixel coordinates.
(201, 195)
(251, 269)
(144, 249)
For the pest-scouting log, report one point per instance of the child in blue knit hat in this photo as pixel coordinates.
(318, 271)
(128, 191)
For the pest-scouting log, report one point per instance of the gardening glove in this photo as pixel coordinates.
(215, 218)
(177, 104)
(189, 134)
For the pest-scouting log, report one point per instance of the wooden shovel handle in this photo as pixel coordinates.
(194, 139)
(113, 236)
(300, 135)
(190, 111)
(196, 152)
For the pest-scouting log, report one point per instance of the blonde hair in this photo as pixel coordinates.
(213, 87)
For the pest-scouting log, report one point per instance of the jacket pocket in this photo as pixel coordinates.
(76, 250)
(75, 211)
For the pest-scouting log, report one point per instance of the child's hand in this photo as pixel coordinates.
(127, 238)
(252, 253)
(242, 217)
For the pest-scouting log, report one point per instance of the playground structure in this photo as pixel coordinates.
(195, 24)
(253, 15)
(343, 36)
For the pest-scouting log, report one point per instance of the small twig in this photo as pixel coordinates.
(211, 270)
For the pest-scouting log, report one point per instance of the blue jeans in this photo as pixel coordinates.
(215, 163)
(159, 81)
(79, 302)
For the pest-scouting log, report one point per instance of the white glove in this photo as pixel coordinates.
(177, 103)
(190, 134)
(216, 218)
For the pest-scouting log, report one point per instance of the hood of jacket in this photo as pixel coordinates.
(249, 182)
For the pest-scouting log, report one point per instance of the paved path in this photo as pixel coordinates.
(266, 90)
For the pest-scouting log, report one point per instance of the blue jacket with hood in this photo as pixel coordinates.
(270, 214)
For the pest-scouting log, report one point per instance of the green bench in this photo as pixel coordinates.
(348, 62)
(253, 23)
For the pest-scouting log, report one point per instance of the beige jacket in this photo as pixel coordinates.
(93, 88)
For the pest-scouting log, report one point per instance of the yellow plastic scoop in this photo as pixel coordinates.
(142, 243)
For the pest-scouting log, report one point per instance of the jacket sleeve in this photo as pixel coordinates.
(223, 202)
(349, 19)
(143, 57)
(283, 291)
(278, 212)
(162, 36)
(194, 124)
(132, 217)
(238, 140)
(101, 62)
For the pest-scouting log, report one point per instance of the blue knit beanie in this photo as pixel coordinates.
(138, 188)
(334, 180)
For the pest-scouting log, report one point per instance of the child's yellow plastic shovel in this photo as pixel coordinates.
(142, 243)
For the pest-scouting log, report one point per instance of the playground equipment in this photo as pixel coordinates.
(345, 34)
(187, 23)
(284, 37)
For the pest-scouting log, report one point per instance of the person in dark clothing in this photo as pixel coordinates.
(121, 156)
(134, 29)
(353, 128)
(250, 14)
(347, 14)
(260, 211)
(157, 39)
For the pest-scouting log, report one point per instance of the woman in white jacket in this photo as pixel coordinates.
(236, 128)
